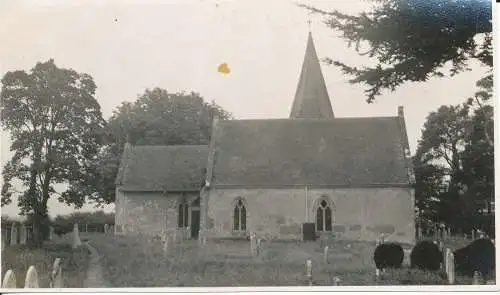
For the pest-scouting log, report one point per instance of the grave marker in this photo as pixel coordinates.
(22, 235)
(106, 228)
(76, 237)
(473, 233)
(31, 278)
(336, 281)
(51, 233)
(9, 280)
(325, 255)
(253, 244)
(13, 234)
(450, 266)
(476, 279)
(309, 271)
(56, 276)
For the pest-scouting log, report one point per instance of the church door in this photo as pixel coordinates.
(195, 218)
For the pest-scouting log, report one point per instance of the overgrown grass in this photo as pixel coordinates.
(137, 262)
(19, 258)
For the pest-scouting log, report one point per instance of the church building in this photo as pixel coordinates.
(347, 177)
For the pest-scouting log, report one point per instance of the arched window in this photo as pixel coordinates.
(239, 216)
(324, 217)
(183, 214)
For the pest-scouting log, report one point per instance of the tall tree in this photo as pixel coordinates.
(55, 124)
(413, 40)
(157, 117)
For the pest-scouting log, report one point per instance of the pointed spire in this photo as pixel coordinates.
(311, 98)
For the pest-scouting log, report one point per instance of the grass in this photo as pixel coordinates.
(19, 258)
(137, 262)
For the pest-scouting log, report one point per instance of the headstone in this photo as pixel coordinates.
(253, 244)
(106, 228)
(419, 233)
(450, 266)
(449, 232)
(476, 279)
(259, 245)
(76, 237)
(31, 278)
(3, 241)
(407, 259)
(86, 228)
(13, 234)
(112, 228)
(336, 281)
(165, 243)
(56, 277)
(118, 229)
(325, 255)
(9, 280)
(473, 235)
(51, 233)
(23, 233)
(309, 271)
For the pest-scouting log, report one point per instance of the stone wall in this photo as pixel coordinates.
(358, 214)
(148, 212)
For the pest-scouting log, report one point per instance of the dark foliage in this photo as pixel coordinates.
(95, 222)
(426, 256)
(388, 255)
(477, 256)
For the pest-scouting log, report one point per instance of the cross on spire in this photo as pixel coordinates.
(309, 21)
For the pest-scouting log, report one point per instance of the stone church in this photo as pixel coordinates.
(347, 177)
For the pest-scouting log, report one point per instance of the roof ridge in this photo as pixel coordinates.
(308, 119)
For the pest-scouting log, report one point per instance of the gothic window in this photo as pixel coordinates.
(183, 214)
(324, 217)
(240, 216)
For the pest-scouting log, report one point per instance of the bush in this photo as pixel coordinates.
(478, 255)
(426, 256)
(388, 255)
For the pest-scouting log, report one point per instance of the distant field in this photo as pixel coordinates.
(135, 262)
(20, 257)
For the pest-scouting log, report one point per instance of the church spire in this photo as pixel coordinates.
(311, 98)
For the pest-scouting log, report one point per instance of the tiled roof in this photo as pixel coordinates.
(158, 168)
(342, 151)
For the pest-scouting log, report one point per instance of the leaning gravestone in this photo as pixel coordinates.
(76, 237)
(9, 280)
(23, 233)
(56, 276)
(31, 278)
(13, 234)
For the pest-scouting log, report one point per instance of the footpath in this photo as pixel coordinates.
(94, 278)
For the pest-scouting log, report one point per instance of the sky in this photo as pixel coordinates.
(128, 46)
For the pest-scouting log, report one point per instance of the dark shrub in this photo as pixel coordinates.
(388, 255)
(478, 255)
(426, 256)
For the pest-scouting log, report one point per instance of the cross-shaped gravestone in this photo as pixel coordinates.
(31, 278)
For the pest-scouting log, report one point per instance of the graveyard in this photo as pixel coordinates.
(57, 264)
(136, 262)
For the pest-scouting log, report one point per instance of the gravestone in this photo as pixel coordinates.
(111, 228)
(56, 277)
(13, 234)
(336, 281)
(309, 271)
(164, 239)
(3, 241)
(106, 228)
(118, 229)
(325, 255)
(407, 255)
(31, 278)
(473, 233)
(450, 266)
(23, 233)
(253, 244)
(76, 237)
(51, 233)
(9, 280)
(476, 279)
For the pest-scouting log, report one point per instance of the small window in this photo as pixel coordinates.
(240, 216)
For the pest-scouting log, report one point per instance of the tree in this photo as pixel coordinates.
(55, 125)
(413, 40)
(157, 117)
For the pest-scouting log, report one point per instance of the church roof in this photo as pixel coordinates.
(348, 152)
(160, 168)
(311, 97)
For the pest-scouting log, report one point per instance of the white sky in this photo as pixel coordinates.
(127, 46)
